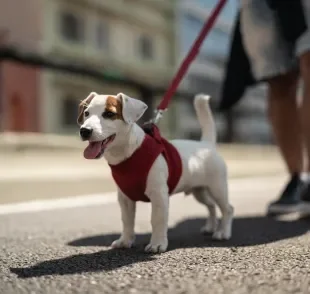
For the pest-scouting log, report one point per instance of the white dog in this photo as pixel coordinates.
(108, 122)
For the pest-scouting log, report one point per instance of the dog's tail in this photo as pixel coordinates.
(205, 118)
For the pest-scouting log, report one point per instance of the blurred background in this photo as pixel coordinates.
(133, 46)
(53, 53)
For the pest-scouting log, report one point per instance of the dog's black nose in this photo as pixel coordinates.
(85, 133)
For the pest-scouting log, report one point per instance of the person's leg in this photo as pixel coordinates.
(302, 50)
(284, 117)
(305, 107)
(305, 121)
(271, 59)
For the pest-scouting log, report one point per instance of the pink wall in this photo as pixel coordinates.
(21, 25)
(20, 87)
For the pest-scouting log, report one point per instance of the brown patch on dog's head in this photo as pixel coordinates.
(83, 105)
(114, 105)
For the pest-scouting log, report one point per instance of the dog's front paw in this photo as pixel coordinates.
(157, 246)
(123, 242)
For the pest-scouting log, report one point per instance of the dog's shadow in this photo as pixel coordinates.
(247, 231)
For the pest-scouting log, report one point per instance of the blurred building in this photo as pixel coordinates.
(142, 40)
(126, 38)
(206, 74)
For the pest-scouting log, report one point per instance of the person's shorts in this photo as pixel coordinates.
(268, 52)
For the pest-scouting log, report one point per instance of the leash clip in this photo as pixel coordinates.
(158, 115)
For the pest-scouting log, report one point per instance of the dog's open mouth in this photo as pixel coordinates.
(95, 150)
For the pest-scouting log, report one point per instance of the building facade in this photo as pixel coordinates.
(128, 38)
(125, 38)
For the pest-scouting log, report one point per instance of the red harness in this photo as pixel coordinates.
(131, 174)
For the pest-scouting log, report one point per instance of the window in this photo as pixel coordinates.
(193, 22)
(72, 27)
(69, 111)
(190, 28)
(217, 43)
(102, 36)
(228, 12)
(145, 47)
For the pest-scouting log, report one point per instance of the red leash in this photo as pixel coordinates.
(188, 60)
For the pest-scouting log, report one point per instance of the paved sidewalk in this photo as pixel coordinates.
(44, 173)
(43, 164)
(31, 154)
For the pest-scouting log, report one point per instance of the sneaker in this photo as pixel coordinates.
(305, 200)
(290, 199)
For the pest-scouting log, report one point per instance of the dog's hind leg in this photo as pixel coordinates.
(202, 196)
(219, 193)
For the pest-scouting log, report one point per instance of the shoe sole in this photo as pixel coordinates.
(304, 207)
(285, 209)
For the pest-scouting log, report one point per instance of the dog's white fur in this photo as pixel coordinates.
(204, 171)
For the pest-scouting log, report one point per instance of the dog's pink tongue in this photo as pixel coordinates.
(92, 150)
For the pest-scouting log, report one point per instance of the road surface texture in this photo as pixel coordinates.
(51, 249)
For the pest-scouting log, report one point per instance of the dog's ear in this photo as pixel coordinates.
(83, 105)
(133, 109)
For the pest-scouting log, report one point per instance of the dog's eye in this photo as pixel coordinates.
(108, 114)
(86, 113)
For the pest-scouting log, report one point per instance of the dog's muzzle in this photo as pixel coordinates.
(85, 133)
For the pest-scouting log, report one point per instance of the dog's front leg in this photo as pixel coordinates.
(159, 220)
(128, 212)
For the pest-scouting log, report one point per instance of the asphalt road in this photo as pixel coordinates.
(67, 250)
